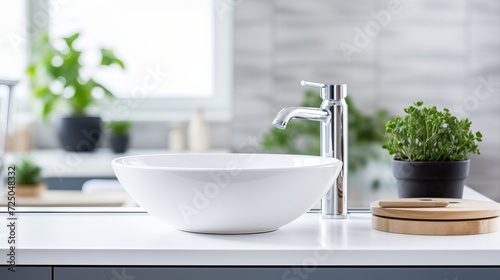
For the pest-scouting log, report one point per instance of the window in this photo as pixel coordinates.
(173, 38)
(178, 54)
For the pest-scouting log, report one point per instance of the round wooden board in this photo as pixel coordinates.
(460, 217)
(457, 227)
(458, 209)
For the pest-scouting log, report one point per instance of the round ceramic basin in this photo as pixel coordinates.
(226, 193)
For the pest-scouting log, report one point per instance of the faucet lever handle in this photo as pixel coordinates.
(331, 92)
(312, 84)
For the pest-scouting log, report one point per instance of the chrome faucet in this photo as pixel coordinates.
(7, 127)
(333, 117)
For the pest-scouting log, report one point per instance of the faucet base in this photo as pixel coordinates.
(332, 216)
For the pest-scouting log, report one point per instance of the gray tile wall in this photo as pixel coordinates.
(437, 51)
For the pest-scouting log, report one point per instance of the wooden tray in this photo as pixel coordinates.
(460, 217)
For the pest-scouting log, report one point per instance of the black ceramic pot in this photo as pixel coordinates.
(119, 144)
(79, 133)
(430, 178)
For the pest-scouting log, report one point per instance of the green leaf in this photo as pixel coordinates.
(109, 58)
(46, 109)
(69, 40)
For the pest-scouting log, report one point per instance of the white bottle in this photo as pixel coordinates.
(176, 139)
(198, 133)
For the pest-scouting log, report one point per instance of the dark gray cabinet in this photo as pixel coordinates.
(26, 273)
(249, 273)
(275, 273)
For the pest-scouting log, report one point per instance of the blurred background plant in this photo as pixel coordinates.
(28, 173)
(119, 138)
(119, 128)
(56, 75)
(366, 134)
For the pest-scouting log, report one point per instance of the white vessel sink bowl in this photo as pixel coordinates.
(226, 193)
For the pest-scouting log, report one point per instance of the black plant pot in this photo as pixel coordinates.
(430, 178)
(119, 144)
(79, 133)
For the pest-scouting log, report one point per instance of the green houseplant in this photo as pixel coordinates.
(28, 178)
(431, 150)
(119, 138)
(57, 79)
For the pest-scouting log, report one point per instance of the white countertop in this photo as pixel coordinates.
(139, 239)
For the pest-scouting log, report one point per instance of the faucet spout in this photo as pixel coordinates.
(306, 113)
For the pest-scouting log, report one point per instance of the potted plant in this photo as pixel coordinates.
(28, 180)
(431, 151)
(119, 138)
(57, 77)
